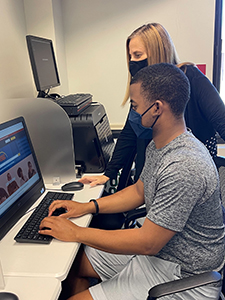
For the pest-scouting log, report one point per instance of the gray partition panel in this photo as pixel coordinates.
(50, 130)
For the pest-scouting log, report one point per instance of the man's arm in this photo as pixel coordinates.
(147, 240)
(125, 200)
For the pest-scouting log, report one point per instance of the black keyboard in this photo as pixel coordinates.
(73, 99)
(29, 232)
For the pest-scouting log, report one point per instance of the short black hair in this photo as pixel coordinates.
(164, 82)
(19, 172)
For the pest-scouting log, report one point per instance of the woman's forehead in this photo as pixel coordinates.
(136, 44)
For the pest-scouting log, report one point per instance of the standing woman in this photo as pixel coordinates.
(205, 112)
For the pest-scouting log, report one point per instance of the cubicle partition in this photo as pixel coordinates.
(50, 129)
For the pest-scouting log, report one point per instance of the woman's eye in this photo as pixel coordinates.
(135, 56)
(138, 55)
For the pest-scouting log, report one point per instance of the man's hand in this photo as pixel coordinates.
(73, 208)
(60, 228)
(94, 180)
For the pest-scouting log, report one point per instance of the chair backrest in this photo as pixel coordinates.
(222, 184)
(220, 164)
(125, 179)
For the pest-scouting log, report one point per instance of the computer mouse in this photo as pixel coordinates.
(73, 186)
(8, 296)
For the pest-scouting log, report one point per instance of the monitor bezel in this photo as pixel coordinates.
(24, 202)
(29, 39)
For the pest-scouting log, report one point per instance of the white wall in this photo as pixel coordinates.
(15, 77)
(89, 39)
(44, 19)
(17, 19)
(95, 34)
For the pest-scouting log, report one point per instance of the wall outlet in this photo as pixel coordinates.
(56, 180)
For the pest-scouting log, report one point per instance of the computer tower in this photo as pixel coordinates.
(93, 140)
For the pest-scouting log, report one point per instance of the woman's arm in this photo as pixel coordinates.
(126, 144)
(209, 101)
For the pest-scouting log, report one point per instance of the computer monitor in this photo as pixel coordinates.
(43, 64)
(21, 183)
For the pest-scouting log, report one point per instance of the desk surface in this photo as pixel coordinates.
(34, 260)
(27, 288)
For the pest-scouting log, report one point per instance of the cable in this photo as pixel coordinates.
(27, 212)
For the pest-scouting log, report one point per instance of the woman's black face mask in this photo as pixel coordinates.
(135, 66)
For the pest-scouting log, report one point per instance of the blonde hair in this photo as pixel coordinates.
(158, 45)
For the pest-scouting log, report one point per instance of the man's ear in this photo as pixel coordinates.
(158, 107)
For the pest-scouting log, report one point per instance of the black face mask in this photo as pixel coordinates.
(135, 66)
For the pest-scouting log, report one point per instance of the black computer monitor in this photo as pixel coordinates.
(43, 64)
(21, 182)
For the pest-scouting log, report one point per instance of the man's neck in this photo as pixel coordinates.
(163, 136)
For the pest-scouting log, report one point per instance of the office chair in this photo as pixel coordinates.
(195, 281)
(220, 164)
(125, 176)
(191, 282)
(180, 285)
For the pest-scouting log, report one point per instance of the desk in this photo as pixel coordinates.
(51, 261)
(30, 288)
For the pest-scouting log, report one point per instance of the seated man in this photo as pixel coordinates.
(180, 188)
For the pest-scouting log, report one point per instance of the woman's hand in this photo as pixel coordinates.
(94, 180)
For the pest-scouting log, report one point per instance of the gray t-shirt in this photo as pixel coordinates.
(181, 187)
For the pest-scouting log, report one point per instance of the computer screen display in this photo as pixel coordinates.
(20, 179)
(43, 62)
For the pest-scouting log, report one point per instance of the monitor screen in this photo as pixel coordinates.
(20, 179)
(43, 62)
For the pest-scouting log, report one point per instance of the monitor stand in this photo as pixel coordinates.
(42, 94)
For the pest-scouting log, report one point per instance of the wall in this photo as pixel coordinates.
(15, 76)
(95, 33)
(89, 40)
(19, 18)
(44, 18)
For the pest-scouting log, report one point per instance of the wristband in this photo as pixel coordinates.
(96, 206)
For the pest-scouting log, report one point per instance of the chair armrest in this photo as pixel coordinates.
(132, 215)
(183, 284)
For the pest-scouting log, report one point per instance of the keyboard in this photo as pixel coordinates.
(29, 232)
(73, 99)
(74, 104)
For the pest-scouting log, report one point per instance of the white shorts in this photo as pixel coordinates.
(131, 277)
